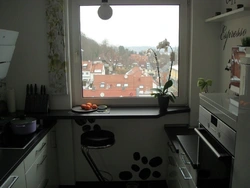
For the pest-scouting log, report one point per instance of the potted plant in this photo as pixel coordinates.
(245, 41)
(162, 92)
(203, 84)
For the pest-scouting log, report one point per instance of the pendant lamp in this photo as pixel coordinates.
(105, 11)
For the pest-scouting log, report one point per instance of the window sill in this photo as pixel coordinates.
(115, 113)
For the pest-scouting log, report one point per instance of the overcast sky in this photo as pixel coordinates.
(132, 25)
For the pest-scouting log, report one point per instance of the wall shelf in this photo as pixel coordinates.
(234, 14)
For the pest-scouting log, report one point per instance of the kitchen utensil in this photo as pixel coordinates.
(23, 125)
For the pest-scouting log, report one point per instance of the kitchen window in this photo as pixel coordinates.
(116, 48)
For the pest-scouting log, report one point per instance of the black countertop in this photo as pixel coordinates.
(115, 113)
(11, 158)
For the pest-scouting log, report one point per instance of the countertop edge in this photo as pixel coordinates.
(115, 113)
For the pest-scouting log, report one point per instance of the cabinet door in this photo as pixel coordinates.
(16, 179)
(52, 165)
(37, 173)
(172, 168)
(185, 177)
(35, 153)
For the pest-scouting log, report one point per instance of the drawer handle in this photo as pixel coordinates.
(171, 147)
(39, 164)
(184, 160)
(188, 177)
(12, 179)
(44, 144)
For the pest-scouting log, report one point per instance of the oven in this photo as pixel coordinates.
(213, 154)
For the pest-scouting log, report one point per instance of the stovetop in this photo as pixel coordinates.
(9, 140)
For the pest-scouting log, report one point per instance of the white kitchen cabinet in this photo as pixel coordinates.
(41, 169)
(36, 175)
(16, 179)
(52, 178)
(35, 153)
(172, 167)
(180, 173)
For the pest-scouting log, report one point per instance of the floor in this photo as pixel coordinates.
(128, 184)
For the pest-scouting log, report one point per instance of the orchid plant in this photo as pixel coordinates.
(163, 91)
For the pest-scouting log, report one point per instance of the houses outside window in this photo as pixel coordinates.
(117, 49)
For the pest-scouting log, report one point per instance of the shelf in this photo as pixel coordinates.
(234, 14)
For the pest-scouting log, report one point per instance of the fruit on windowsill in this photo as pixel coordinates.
(88, 106)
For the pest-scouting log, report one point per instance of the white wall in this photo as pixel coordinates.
(204, 55)
(29, 64)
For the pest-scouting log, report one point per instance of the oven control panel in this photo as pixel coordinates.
(221, 131)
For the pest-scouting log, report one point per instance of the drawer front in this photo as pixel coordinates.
(185, 162)
(44, 183)
(173, 184)
(185, 178)
(16, 179)
(37, 173)
(35, 153)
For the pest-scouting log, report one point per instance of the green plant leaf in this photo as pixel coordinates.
(209, 82)
(167, 85)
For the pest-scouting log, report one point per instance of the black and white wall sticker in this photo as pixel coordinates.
(147, 168)
(227, 33)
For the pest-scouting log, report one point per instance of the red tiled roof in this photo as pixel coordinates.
(97, 66)
(88, 65)
(132, 82)
(109, 93)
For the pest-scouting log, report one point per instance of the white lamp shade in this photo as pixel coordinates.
(105, 11)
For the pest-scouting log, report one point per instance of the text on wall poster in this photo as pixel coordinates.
(230, 33)
(232, 2)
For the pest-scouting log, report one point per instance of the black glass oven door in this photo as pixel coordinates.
(215, 162)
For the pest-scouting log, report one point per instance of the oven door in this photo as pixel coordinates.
(215, 162)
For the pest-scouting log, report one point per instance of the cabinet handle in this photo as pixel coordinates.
(39, 164)
(171, 147)
(12, 179)
(188, 177)
(184, 160)
(44, 144)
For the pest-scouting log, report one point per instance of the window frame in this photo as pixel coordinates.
(75, 57)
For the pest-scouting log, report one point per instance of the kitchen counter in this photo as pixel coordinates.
(114, 113)
(11, 158)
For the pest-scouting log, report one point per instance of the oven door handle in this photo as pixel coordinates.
(218, 155)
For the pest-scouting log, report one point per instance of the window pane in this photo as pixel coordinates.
(114, 59)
